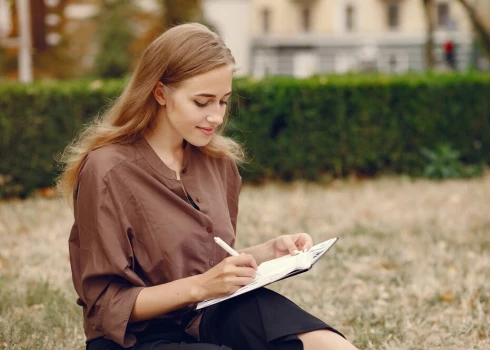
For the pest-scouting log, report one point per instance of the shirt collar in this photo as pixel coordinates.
(156, 163)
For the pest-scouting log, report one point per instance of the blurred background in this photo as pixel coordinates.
(364, 119)
(65, 39)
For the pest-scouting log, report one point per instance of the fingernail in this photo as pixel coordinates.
(295, 252)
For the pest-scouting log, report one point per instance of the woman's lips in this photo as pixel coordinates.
(206, 131)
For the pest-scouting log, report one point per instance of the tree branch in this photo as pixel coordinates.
(482, 32)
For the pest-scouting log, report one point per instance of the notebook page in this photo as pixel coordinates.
(319, 249)
(285, 264)
(289, 263)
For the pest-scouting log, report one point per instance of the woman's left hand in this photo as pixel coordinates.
(291, 244)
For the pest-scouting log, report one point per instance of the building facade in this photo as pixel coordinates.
(231, 19)
(305, 37)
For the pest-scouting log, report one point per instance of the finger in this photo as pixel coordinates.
(244, 271)
(244, 260)
(235, 284)
(292, 248)
(304, 241)
(242, 281)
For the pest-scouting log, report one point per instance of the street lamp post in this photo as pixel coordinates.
(23, 42)
(25, 45)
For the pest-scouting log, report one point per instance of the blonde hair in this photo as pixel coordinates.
(180, 53)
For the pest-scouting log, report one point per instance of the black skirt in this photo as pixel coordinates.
(258, 320)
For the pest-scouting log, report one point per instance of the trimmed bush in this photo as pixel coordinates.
(291, 128)
(37, 122)
(340, 125)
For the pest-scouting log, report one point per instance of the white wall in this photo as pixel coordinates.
(231, 19)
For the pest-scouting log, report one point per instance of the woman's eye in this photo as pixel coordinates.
(200, 104)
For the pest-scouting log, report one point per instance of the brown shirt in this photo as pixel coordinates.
(135, 227)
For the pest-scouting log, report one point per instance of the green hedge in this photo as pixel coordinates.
(291, 128)
(340, 125)
(37, 122)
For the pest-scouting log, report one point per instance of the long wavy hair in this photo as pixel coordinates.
(180, 53)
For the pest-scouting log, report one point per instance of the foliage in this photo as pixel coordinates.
(444, 162)
(181, 11)
(336, 125)
(125, 30)
(115, 35)
(340, 125)
(37, 122)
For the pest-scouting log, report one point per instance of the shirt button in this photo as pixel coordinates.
(209, 229)
(211, 262)
(184, 170)
(198, 199)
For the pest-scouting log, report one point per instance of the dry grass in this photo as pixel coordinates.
(411, 270)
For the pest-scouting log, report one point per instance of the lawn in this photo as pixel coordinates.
(411, 269)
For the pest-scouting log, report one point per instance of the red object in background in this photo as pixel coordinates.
(449, 54)
(448, 46)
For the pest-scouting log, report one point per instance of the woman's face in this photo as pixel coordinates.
(194, 109)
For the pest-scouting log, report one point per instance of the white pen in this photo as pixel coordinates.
(229, 250)
(225, 246)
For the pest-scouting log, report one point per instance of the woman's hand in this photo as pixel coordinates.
(227, 277)
(291, 244)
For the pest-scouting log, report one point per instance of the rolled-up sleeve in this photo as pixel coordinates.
(102, 260)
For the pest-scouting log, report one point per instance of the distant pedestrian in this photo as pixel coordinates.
(449, 54)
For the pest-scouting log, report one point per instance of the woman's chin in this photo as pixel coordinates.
(198, 141)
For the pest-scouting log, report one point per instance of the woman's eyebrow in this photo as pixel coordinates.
(211, 95)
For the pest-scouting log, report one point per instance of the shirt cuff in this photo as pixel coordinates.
(114, 315)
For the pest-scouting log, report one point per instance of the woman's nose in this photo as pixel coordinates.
(215, 118)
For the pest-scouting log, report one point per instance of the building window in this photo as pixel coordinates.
(349, 18)
(393, 16)
(443, 15)
(306, 19)
(266, 18)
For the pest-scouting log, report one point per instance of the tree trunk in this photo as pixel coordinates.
(181, 11)
(482, 32)
(429, 41)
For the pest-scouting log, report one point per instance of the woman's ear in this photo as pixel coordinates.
(160, 94)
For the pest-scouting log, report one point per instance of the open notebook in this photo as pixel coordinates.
(278, 269)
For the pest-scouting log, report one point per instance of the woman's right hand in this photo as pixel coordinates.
(227, 277)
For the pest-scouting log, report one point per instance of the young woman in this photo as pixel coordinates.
(153, 182)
